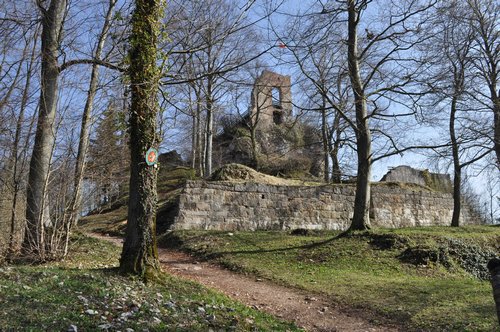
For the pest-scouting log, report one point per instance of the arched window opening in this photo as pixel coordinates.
(276, 97)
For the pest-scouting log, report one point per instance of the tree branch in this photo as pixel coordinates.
(70, 63)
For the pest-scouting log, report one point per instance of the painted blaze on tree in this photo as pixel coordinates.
(139, 255)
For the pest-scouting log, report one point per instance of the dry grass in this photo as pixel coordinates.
(240, 173)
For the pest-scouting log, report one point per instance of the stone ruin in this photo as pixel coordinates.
(284, 146)
(406, 174)
(254, 203)
(271, 100)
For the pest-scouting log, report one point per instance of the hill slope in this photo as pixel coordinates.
(430, 279)
(86, 293)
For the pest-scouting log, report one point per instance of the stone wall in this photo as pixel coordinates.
(252, 206)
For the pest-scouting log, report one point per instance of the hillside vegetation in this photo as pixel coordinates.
(86, 293)
(431, 279)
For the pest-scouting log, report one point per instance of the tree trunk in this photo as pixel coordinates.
(37, 208)
(15, 150)
(209, 131)
(200, 145)
(140, 255)
(196, 152)
(325, 140)
(361, 218)
(457, 169)
(494, 267)
(495, 99)
(83, 144)
(334, 151)
(252, 125)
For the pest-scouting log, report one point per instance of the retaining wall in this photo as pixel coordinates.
(252, 206)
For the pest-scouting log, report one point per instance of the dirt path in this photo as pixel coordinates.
(312, 312)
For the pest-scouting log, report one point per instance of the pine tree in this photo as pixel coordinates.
(108, 164)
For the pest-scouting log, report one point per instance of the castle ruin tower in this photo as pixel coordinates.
(271, 100)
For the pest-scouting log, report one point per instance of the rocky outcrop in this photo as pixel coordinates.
(407, 174)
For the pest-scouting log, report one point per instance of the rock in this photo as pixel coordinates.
(169, 304)
(156, 320)
(201, 310)
(126, 315)
(128, 329)
(135, 304)
(104, 326)
(72, 328)
(83, 299)
(91, 312)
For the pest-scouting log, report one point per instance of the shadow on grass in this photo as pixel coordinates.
(174, 241)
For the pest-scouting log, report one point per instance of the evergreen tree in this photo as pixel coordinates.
(108, 164)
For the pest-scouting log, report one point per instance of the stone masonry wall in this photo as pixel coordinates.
(251, 206)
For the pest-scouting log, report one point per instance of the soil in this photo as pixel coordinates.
(312, 312)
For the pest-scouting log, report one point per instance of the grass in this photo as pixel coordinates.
(363, 271)
(87, 291)
(113, 221)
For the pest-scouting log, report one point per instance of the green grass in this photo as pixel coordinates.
(113, 221)
(87, 291)
(354, 271)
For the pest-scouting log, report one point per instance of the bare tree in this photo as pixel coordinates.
(451, 61)
(75, 204)
(317, 49)
(53, 15)
(37, 211)
(382, 70)
(18, 154)
(457, 38)
(211, 41)
(485, 22)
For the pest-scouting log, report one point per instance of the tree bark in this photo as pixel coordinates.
(15, 149)
(83, 143)
(494, 267)
(37, 209)
(194, 147)
(209, 131)
(457, 168)
(325, 141)
(495, 99)
(140, 255)
(360, 220)
(253, 122)
(334, 150)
